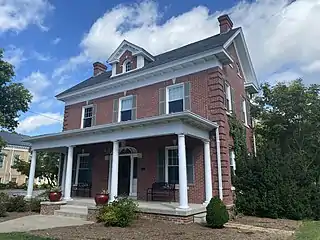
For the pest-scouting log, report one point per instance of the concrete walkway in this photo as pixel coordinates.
(258, 229)
(37, 222)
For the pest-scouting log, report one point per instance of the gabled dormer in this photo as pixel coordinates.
(128, 57)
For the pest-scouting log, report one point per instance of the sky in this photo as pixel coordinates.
(53, 43)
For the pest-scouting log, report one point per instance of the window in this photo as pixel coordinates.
(1, 160)
(125, 110)
(244, 116)
(87, 116)
(128, 66)
(228, 97)
(16, 156)
(13, 180)
(238, 69)
(175, 95)
(232, 162)
(172, 166)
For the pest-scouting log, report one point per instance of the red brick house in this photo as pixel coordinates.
(160, 118)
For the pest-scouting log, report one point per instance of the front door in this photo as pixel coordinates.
(124, 176)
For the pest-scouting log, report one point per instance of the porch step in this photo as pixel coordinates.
(74, 211)
(200, 218)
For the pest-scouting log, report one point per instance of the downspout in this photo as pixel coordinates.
(219, 164)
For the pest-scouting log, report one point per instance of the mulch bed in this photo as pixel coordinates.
(283, 224)
(152, 230)
(13, 215)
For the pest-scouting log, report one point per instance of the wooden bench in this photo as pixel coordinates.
(162, 189)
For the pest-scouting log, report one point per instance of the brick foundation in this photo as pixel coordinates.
(167, 218)
(92, 214)
(48, 208)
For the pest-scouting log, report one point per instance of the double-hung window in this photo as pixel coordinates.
(128, 66)
(175, 98)
(87, 116)
(171, 170)
(232, 162)
(228, 97)
(125, 110)
(244, 114)
(1, 160)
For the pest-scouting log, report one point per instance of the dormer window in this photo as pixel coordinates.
(127, 66)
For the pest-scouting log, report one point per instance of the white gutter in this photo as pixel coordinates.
(219, 164)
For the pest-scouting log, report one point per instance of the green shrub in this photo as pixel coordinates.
(16, 204)
(4, 197)
(217, 214)
(120, 213)
(34, 205)
(3, 210)
(12, 185)
(3, 202)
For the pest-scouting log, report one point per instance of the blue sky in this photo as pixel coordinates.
(54, 43)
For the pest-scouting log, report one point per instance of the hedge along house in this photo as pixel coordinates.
(161, 118)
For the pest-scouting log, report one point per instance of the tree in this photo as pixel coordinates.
(284, 179)
(15, 98)
(46, 166)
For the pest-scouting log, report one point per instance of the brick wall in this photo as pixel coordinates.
(126, 55)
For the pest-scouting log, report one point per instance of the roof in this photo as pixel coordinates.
(193, 48)
(15, 139)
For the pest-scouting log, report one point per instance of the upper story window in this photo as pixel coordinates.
(1, 160)
(245, 112)
(175, 98)
(88, 116)
(238, 69)
(127, 66)
(125, 108)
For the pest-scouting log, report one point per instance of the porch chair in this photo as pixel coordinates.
(162, 189)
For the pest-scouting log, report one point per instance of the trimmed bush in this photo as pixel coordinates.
(3, 210)
(217, 214)
(17, 204)
(120, 213)
(34, 205)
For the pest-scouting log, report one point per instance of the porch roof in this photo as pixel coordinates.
(176, 123)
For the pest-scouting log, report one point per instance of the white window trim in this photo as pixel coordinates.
(228, 94)
(124, 69)
(244, 106)
(83, 110)
(78, 166)
(166, 165)
(120, 104)
(167, 95)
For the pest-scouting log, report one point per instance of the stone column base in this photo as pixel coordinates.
(167, 218)
(48, 208)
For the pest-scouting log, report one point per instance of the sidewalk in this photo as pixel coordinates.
(37, 222)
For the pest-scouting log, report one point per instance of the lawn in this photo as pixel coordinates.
(21, 236)
(309, 230)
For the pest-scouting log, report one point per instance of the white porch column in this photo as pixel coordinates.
(207, 171)
(114, 171)
(31, 174)
(68, 180)
(219, 164)
(110, 174)
(183, 188)
(64, 170)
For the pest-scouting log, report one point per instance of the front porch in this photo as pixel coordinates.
(127, 157)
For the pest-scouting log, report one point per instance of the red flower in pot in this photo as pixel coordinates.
(55, 194)
(102, 197)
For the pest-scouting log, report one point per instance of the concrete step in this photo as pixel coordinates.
(72, 214)
(74, 208)
(200, 218)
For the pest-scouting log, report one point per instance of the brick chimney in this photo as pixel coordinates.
(98, 68)
(225, 23)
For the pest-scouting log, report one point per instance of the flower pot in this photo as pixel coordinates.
(55, 196)
(101, 198)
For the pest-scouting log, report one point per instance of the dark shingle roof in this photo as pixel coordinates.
(193, 48)
(14, 139)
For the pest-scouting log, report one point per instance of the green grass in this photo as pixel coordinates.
(309, 230)
(20, 236)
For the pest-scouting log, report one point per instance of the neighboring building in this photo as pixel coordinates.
(158, 118)
(16, 147)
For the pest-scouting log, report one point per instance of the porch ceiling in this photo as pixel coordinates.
(177, 123)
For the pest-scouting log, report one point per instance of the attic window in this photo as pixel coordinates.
(127, 66)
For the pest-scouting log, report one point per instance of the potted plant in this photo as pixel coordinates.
(102, 197)
(55, 194)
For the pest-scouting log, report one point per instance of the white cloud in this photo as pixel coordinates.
(34, 122)
(41, 57)
(312, 67)
(70, 65)
(285, 76)
(14, 55)
(37, 83)
(16, 15)
(56, 41)
(280, 34)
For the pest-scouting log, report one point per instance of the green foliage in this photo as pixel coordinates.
(3, 210)
(217, 214)
(46, 167)
(3, 204)
(120, 213)
(15, 98)
(34, 205)
(283, 180)
(17, 204)
(21, 236)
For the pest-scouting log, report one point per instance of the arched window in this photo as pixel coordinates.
(128, 66)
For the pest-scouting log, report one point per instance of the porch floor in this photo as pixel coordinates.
(165, 208)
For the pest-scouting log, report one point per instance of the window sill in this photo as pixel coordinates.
(233, 188)
(228, 112)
